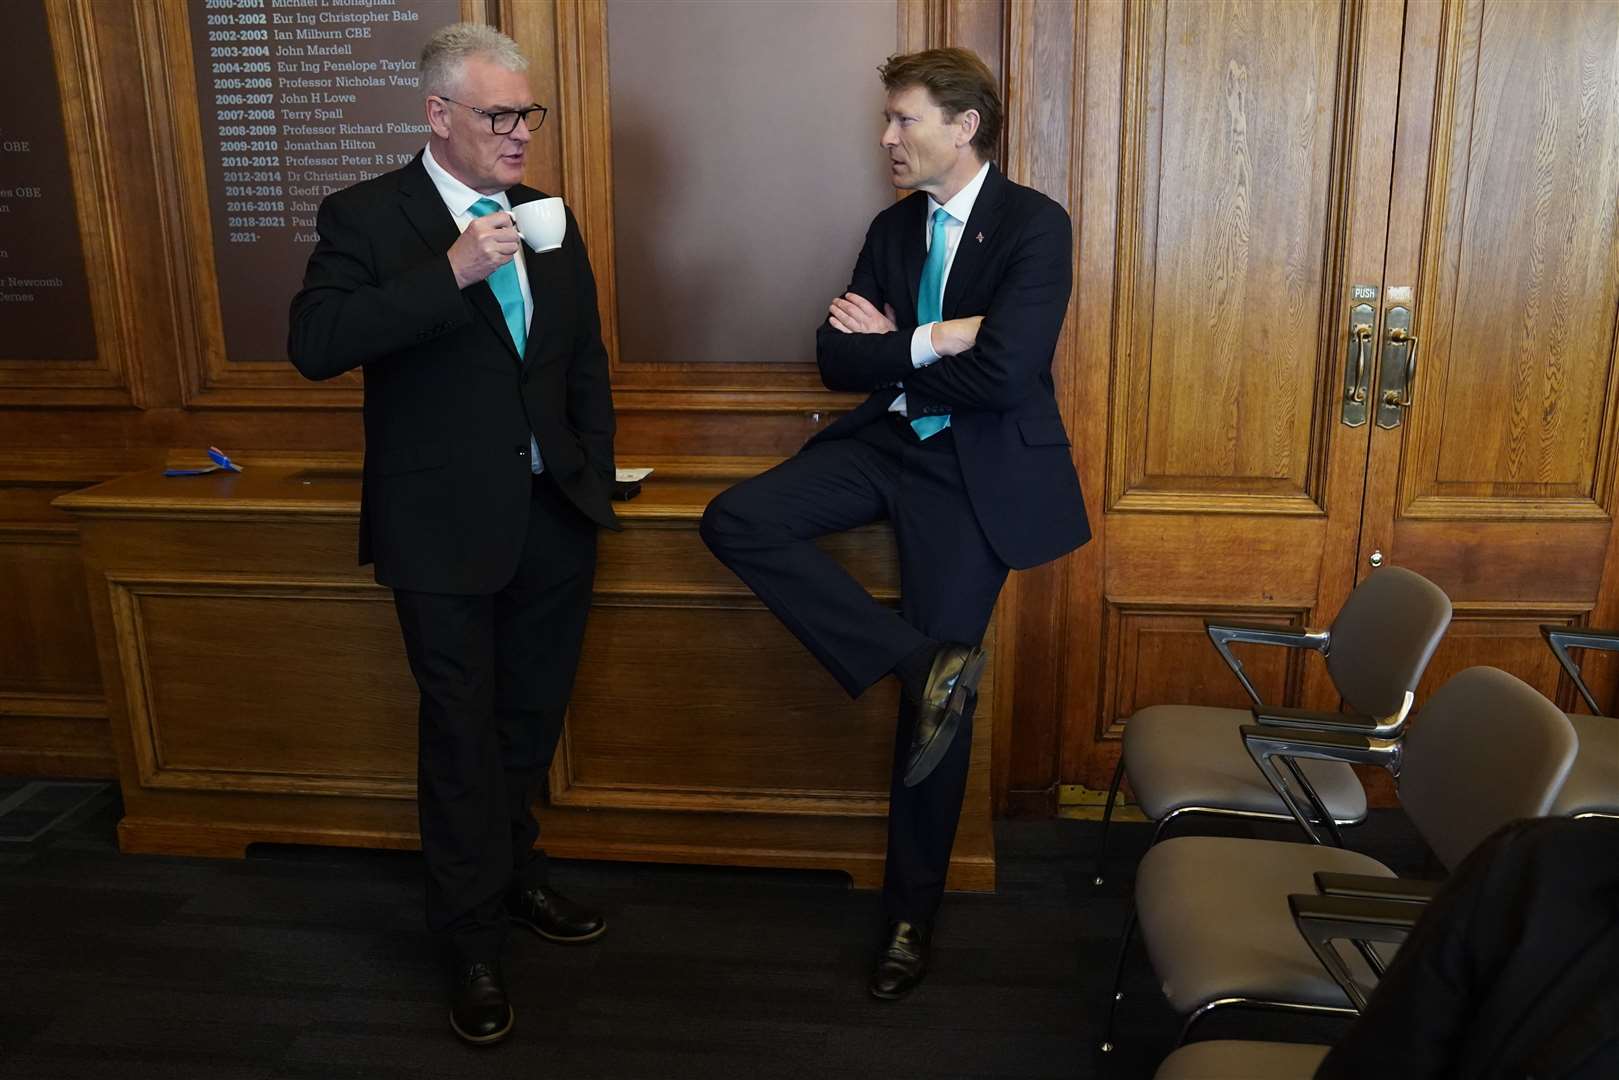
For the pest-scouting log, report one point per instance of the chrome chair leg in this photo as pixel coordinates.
(1107, 819)
(1117, 994)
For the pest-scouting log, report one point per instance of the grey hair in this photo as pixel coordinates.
(445, 55)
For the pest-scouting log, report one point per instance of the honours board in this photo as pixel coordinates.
(298, 98)
(44, 295)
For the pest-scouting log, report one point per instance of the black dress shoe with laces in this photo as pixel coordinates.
(952, 684)
(479, 1011)
(902, 963)
(553, 916)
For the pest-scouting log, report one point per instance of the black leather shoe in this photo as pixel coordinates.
(902, 963)
(479, 1011)
(553, 916)
(952, 683)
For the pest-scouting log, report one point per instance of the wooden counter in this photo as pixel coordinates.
(258, 690)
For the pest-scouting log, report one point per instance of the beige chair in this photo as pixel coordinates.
(1233, 1059)
(1513, 965)
(1214, 912)
(1189, 759)
(1592, 787)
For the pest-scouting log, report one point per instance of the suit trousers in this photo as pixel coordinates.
(764, 530)
(495, 673)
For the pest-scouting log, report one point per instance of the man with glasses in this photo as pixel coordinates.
(488, 469)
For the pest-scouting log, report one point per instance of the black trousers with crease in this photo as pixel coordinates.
(495, 673)
(765, 528)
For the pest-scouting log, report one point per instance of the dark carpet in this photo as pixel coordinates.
(312, 963)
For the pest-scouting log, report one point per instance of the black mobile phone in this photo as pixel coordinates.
(625, 490)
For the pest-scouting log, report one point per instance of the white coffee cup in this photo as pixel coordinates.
(542, 223)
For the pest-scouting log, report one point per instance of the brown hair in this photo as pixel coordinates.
(957, 80)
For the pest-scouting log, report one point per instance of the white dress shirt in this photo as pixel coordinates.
(458, 199)
(959, 208)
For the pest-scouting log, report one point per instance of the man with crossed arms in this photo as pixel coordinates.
(950, 322)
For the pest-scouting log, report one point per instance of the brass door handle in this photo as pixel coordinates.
(1397, 374)
(1402, 397)
(1352, 408)
(1363, 345)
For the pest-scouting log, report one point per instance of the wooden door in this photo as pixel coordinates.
(1261, 195)
(1498, 482)
(1252, 172)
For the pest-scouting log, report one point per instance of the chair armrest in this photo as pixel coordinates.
(1223, 634)
(1268, 634)
(1324, 920)
(1379, 727)
(1268, 744)
(1368, 887)
(1360, 747)
(1579, 638)
(1563, 638)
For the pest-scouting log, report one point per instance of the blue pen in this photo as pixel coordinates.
(220, 461)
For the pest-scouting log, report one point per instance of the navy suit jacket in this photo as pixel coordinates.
(1013, 266)
(449, 405)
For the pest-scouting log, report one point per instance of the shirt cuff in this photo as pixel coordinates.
(922, 353)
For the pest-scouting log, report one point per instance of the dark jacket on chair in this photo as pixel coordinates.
(1512, 972)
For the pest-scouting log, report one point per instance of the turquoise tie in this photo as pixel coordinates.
(929, 308)
(510, 295)
(507, 289)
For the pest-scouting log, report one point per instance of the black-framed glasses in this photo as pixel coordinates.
(504, 122)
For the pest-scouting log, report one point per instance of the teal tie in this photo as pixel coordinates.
(929, 308)
(510, 295)
(507, 290)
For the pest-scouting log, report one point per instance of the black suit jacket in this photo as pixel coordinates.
(1013, 266)
(449, 405)
(1512, 972)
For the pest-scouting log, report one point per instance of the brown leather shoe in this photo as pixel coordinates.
(479, 1011)
(553, 916)
(952, 682)
(902, 963)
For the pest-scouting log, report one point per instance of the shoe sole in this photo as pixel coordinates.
(484, 1040)
(587, 939)
(966, 686)
(894, 996)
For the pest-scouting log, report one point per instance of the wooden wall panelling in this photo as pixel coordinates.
(1076, 621)
(1506, 636)
(1160, 655)
(1500, 482)
(1232, 188)
(1219, 357)
(1044, 92)
(53, 716)
(1521, 286)
(248, 661)
(101, 230)
(179, 636)
(258, 690)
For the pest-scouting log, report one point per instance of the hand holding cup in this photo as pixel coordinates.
(486, 245)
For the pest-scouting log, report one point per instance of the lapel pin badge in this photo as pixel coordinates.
(980, 238)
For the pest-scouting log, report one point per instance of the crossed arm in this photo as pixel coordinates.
(989, 362)
(853, 314)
